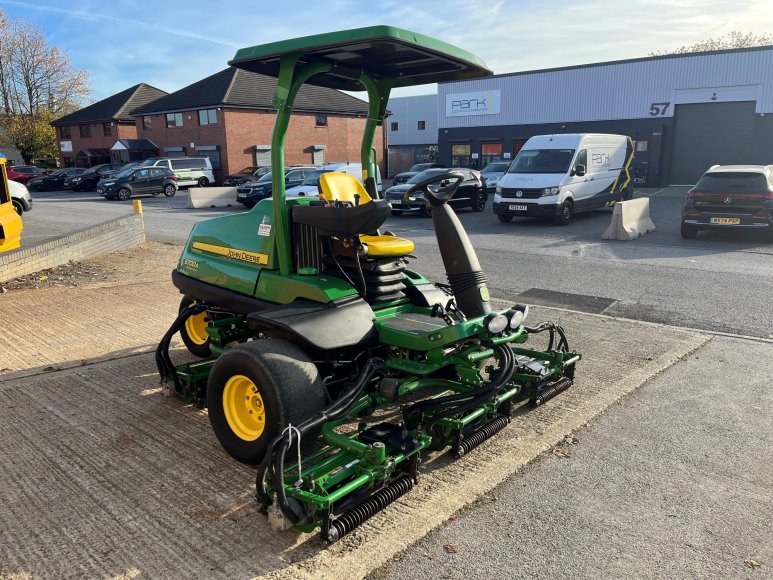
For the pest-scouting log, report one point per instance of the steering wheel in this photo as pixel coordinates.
(449, 183)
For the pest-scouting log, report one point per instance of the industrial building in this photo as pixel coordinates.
(411, 131)
(685, 112)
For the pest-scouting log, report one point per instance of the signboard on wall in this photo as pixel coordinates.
(65, 146)
(480, 103)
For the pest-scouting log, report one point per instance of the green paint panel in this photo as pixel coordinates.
(383, 53)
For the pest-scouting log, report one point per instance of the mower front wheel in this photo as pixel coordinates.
(194, 330)
(255, 390)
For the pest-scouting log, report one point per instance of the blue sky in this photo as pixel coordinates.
(170, 43)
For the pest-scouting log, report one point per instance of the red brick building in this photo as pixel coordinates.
(229, 118)
(88, 136)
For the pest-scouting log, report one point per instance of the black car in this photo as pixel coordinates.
(471, 192)
(250, 173)
(88, 180)
(254, 191)
(54, 180)
(138, 181)
(730, 196)
(418, 168)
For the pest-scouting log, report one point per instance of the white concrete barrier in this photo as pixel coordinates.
(630, 220)
(199, 197)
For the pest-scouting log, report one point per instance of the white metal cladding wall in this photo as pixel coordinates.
(623, 90)
(407, 112)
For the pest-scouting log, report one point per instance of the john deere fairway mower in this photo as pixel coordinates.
(310, 323)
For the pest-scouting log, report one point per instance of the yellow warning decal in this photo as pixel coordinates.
(232, 253)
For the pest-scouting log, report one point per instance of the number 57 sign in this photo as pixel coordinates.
(659, 109)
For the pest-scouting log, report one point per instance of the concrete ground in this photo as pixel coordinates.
(674, 482)
(102, 477)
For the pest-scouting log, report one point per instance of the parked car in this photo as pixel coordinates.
(250, 173)
(310, 185)
(471, 192)
(418, 168)
(20, 197)
(87, 181)
(55, 180)
(189, 170)
(730, 196)
(252, 192)
(24, 173)
(138, 181)
(493, 172)
(556, 176)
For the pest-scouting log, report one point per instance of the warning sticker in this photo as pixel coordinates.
(264, 230)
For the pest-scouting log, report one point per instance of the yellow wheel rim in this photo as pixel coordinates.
(196, 328)
(243, 408)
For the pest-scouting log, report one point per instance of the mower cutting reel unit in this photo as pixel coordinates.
(323, 358)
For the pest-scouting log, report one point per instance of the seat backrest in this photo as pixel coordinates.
(338, 186)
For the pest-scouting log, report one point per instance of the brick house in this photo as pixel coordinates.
(88, 136)
(229, 117)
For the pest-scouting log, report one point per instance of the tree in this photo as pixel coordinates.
(37, 84)
(733, 39)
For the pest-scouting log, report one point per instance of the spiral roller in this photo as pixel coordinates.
(543, 395)
(366, 509)
(478, 436)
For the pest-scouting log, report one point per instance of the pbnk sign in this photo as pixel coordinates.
(481, 103)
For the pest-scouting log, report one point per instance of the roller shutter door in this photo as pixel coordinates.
(707, 134)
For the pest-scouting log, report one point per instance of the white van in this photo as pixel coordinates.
(189, 170)
(557, 176)
(311, 185)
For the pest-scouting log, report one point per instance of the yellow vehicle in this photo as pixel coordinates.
(10, 221)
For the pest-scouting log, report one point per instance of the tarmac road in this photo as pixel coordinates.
(674, 482)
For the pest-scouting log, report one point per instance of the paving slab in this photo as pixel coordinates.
(100, 476)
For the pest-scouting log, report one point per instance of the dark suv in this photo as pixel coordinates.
(54, 180)
(139, 180)
(730, 196)
(252, 192)
(88, 181)
(418, 168)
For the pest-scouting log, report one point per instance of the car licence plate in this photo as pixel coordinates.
(241, 196)
(100, 190)
(519, 208)
(729, 221)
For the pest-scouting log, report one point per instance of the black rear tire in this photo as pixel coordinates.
(505, 219)
(287, 385)
(478, 203)
(203, 182)
(124, 194)
(688, 231)
(565, 214)
(17, 206)
(170, 190)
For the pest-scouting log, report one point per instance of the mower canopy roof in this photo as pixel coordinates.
(382, 52)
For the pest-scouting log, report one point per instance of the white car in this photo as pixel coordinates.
(20, 196)
(310, 185)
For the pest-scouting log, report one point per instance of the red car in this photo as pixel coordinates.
(24, 173)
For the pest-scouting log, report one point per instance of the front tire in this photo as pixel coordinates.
(203, 182)
(397, 212)
(170, 190)
(505, 219)
(479, 201)
(688, 231)
(194, 330)
(17, 205)
(255, 390)
(565, 214)
(124, 194)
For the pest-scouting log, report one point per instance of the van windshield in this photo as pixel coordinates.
(542, 161)
(313, 179)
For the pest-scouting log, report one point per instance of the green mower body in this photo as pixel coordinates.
(311, 326)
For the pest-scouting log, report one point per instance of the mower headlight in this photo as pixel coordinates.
(517, 315)
(496, 323)
(551, 191)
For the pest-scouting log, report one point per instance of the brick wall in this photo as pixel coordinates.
(102, 239)
(98, 139)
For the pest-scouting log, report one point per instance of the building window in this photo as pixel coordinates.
(106, 127)
(320, 120)
(174, 120)
(65, 132)
(393, 126)
(641, 146)
(146, 123)
(490, 152)
(460, 155)
(208, 117)
(68, 161)
(422, 126)
(85, 130)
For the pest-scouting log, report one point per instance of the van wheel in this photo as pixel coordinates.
(397, 212)
(203, 182)
(170, 190)
(479, 201)
(124, 194)
(18, 206)
(689, 231)
(565, 214)
(505, 219)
